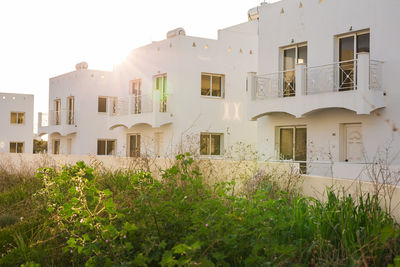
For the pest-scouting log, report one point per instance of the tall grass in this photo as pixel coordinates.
(181, 219)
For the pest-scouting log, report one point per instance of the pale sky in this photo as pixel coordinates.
(40, 39)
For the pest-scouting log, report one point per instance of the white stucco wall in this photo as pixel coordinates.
(318, 23)
(233, 55)
(16, 132)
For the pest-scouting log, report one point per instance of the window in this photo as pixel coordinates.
(105, 147)
(71, 105)
(16, 147)
(57, 112)
(349, 47)
(212, 84)
(293, 143)
(17, 117)
(291, 56)
(210, 144)
(102, 104)
(56, 146)
(161, 87)
(136, 93)
(136, 87)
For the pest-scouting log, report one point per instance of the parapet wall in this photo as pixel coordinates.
(213, 171)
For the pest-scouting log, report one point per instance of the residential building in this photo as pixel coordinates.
(78, 106)
(180, 94)
(16, 123)
(326, 91)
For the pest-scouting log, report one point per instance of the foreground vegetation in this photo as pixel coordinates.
(80, 215)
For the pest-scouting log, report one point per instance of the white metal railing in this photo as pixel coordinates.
(43, 119)
(61, 117)
(134, 104)
(279, 84)
(338, 76)
(375, 75)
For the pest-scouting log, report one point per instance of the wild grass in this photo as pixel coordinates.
(80, 214)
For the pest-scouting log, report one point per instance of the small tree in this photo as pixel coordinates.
(39, 146)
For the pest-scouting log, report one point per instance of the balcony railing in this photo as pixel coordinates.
(60, 117)
(279, 84)
(132, 110)
(355, 85)
(132, 105)
(339, 76)
(375, 75)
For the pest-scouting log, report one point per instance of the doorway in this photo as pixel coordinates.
(134, 145)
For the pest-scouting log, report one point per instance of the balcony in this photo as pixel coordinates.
(143, 109)
(62, 122)
(353, 85)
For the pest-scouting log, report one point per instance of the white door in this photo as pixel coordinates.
(354, 146)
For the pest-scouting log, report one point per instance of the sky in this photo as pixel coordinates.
(44, 38)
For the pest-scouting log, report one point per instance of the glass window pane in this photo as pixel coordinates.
(21, 116)
(13, 118)
(164, 80)
(216, 85)
(301, 144)
(363, 43)
(289, 56)
(57, 104)
(110, 147)
(346, 69)
(289, 60)
(205, 84)
(102, 104)
(205, 144)
(158, 83)
(101, 147)
(286, 143)
(346, 48)
(302, 54)
(13, 147)
(56, 147)
(138, 145)
(20, 147)
(134, 145)
(215, 144)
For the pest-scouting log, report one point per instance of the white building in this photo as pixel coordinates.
(327, 88)
(181, 93)
(16, 123)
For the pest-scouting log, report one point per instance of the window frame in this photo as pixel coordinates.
(16, 143)
(114, 152)
(138, 82)
(54, 146)
(278, 143)
(138, 142)
(354, 35)
(17, 116)
(98, 104)
(221, 144)
(222, 90)
(163, 97)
